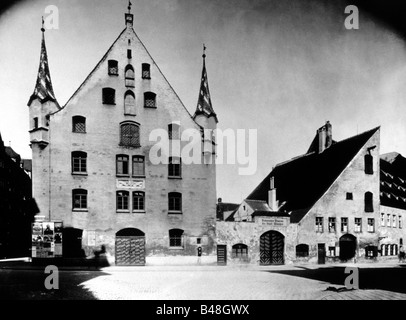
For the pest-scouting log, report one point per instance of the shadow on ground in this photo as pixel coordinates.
(26, 281)
(390, 279)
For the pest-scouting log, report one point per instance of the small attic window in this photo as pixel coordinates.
(129, 42)
(349, 196)
(146, 72)
(113, 67)
(109, 96)
(129, 54)
(368, 164)
(36, 123)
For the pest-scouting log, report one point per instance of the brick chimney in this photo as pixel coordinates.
(325, 134)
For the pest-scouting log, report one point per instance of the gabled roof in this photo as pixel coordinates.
(302, 181)
(393, 180)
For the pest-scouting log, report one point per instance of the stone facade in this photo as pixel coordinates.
(54, 180)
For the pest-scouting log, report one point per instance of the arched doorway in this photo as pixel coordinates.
(348, 245)
(130, 247)
(271, 248)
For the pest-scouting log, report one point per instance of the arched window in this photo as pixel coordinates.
(176, 238)
(368, 164)
(79, 162)
(129, 76)
(79, 199)
(302, 250)
(174, 131)
(130, 134)
(78, 124)
(149, 100)
(146, 73)
(122, 164)
(129, 103)
(122, 200)
(368, 199)
(138, 201)
(113, 67)
(175, 202)
(109, 96)
(240, 251)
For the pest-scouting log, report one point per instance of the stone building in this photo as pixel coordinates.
(17, 208)
(96, 167)
(323, 206)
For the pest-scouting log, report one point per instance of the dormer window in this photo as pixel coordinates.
(146, 73)
(113, 67)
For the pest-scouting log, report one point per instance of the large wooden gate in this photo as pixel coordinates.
(271, 248)
(130, 251)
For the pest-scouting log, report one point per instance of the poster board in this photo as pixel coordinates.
(46, 239)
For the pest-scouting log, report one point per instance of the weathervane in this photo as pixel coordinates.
(204, 51)
(42, 28)
(129, 6)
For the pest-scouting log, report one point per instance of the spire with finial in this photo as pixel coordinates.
(204, 105)
(129, 17)
(43, 88)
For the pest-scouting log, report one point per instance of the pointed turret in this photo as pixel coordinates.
(43, 89)
(42, 102)
(204, 106)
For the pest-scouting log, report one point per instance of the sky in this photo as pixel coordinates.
(281, 67)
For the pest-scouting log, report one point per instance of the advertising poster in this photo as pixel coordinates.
(46, 239)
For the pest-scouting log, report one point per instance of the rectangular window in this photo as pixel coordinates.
(394, 221)
(146, 74)
(138, 201)
(129, 54)
(349, 196)
(138, 166)
(175, 202)
(331, 224)
(35, 123)
(113, 67)
(319, 224)
(331, 251)
(388, 224)
(79, 199)
(175, 167)
(371, 225)
(344, 224)
(122, 200)
(400, 222)
(109, 96)
(130, 135)
(357, 226)
(175, 241)
(79, 124)
(382, 219)
(79, 162)
(122, 165)
(173, 131)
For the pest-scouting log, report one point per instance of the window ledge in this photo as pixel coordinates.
(146, 78)
(122, 211)
(139, 177)
(109, 103)
(146, 107)
(79, 132)
(174, 212)
(113, 74)
(176, 248)
(174, 178)
(79, 210)
(139, 211)
(122, 175)
(79, 174)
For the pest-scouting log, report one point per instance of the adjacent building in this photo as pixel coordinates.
(336, 202)
(95, 159)
(17, 208)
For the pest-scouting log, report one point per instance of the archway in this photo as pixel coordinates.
(348, 245)
(271, 248)
(130, 247)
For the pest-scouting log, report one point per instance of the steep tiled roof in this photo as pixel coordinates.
(393, 180)
(303, 180)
